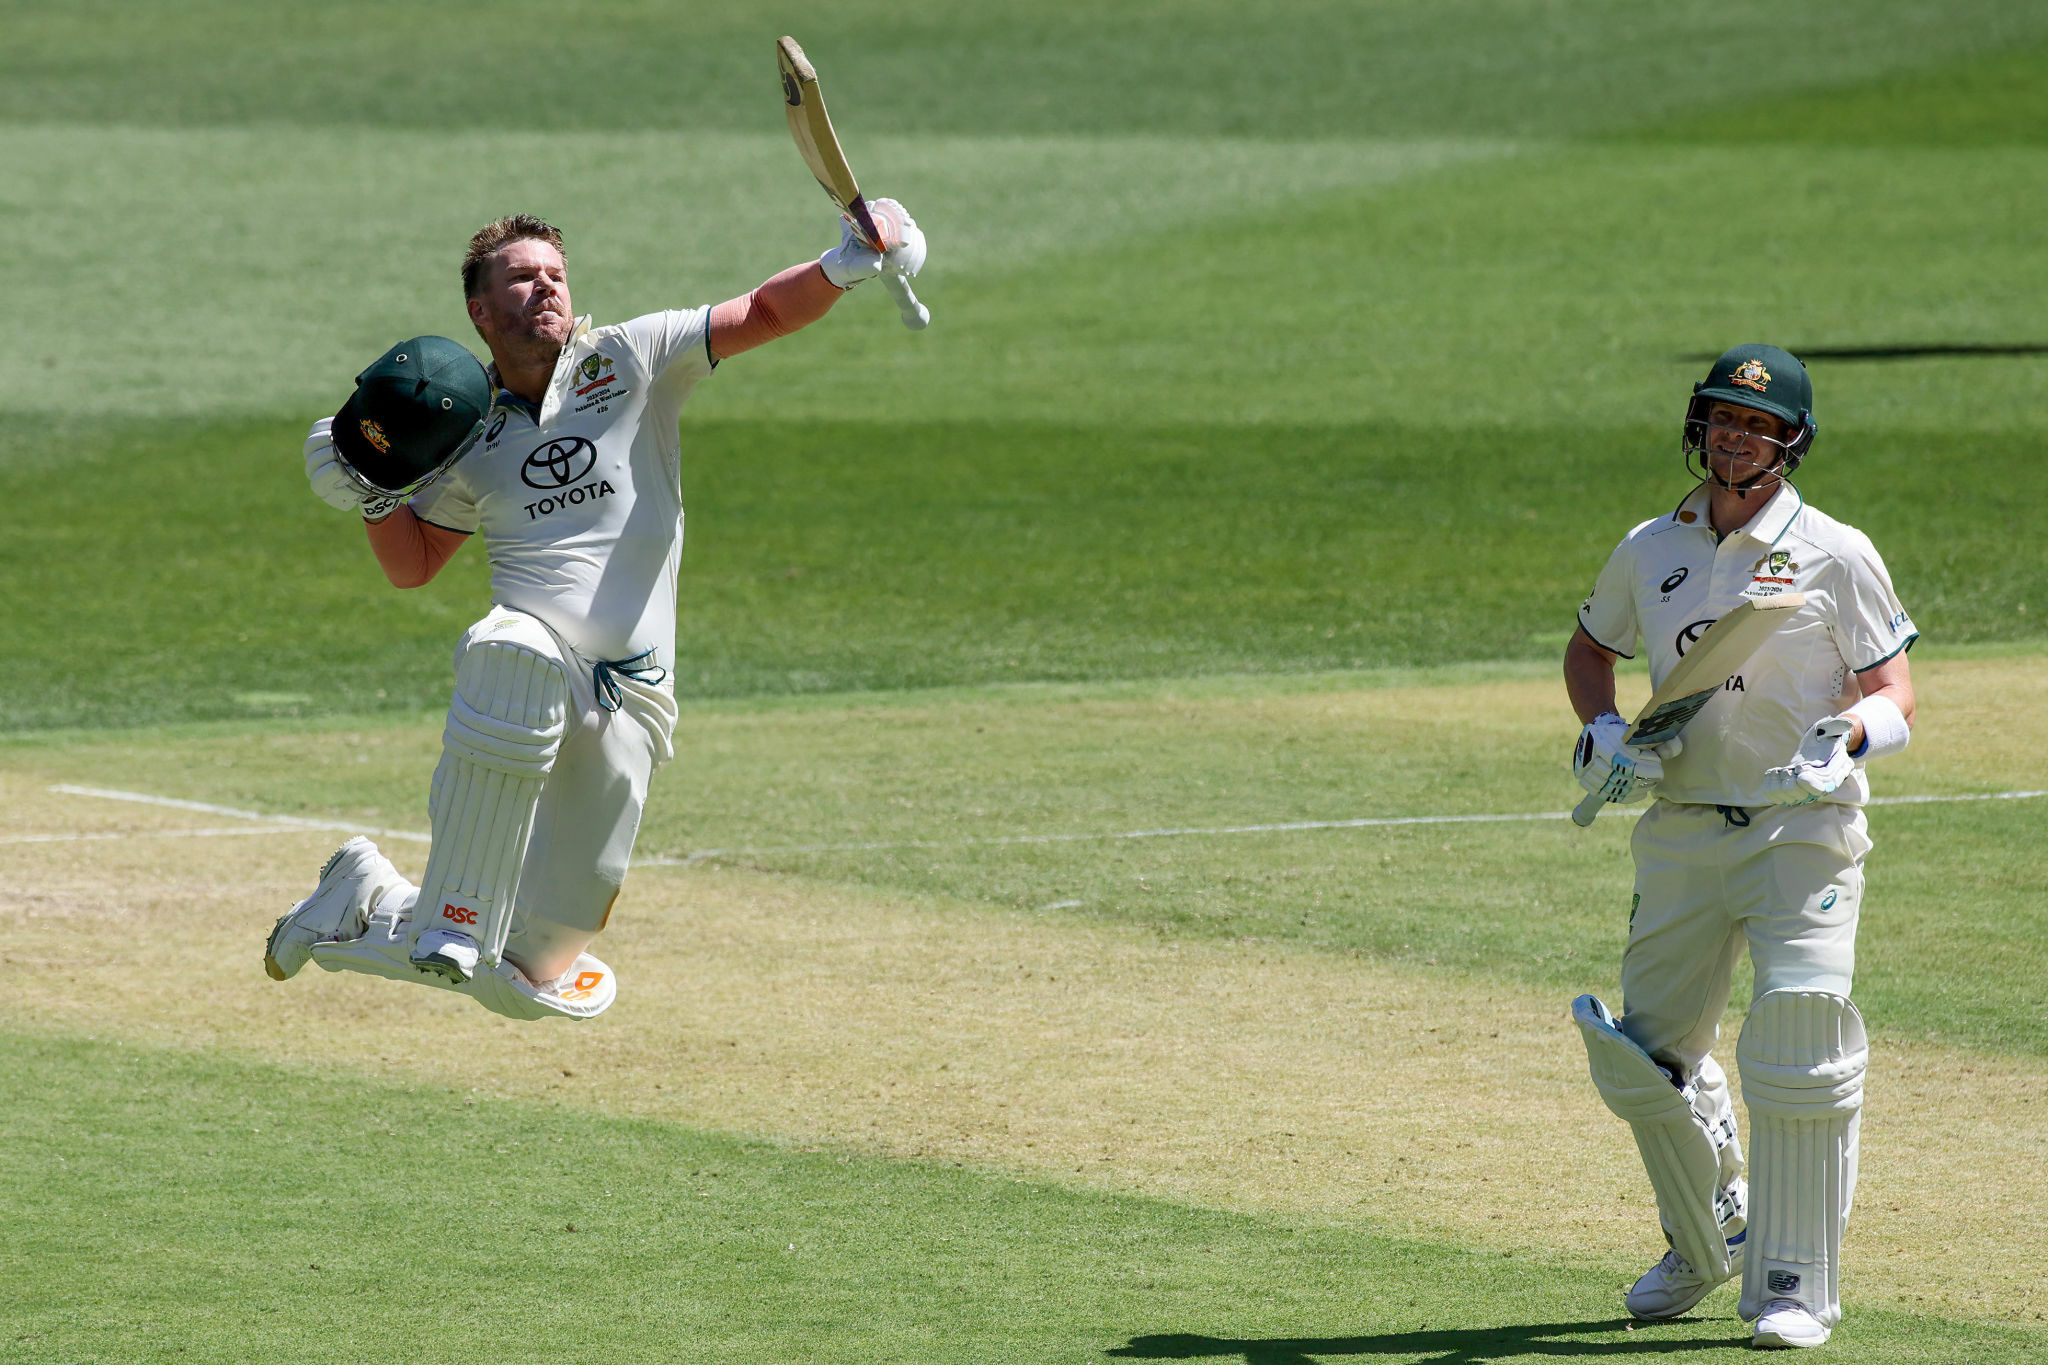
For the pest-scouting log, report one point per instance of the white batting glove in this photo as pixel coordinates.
(334, 487)
(1821, 765)
(902, 235)
(853, 260)
(1621, 772)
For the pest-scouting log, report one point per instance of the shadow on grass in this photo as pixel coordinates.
(1467, 1347)
(1910, 351)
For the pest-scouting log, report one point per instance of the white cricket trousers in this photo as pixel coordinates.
(1789, 886)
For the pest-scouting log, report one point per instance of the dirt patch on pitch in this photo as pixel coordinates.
(1243, 1076)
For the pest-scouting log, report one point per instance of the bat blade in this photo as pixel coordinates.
(811, 126)
(816, 141)
(1713, 659)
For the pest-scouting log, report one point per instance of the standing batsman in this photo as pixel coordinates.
(1756, 837)
(565, 456)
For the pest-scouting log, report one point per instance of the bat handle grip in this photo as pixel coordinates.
(1583, 813)
(915, 315)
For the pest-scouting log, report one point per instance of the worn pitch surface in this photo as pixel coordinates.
(1244, 1074)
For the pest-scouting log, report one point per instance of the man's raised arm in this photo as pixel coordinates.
(800, 295)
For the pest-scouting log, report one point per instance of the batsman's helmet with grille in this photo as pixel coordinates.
(1764, 378)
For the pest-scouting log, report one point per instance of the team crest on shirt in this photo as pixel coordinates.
(595, 378)
(374, 434)
(1751, 374)
(1776, 567)
(1772, 574)
(594, 373)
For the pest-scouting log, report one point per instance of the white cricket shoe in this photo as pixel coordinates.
(354, 880)
(1670, 1288)
(445, 953)
(1787, 1322)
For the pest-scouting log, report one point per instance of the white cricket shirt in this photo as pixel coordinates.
(1669, 580)
(582, 510)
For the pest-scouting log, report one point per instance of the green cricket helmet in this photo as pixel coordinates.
(415, 412)
(1764, 378)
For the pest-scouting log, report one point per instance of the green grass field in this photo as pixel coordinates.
(1294, 366)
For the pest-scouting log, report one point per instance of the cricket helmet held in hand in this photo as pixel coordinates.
(1766, 379)
(416, 410)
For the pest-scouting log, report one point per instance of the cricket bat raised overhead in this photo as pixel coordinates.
(811, 126)
(1714, 658)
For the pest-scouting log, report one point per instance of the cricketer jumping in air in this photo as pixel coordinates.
(565, 456)
(1757, 837)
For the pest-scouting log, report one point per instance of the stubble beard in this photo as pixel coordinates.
(524, 341)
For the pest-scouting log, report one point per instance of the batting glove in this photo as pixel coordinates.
(902, 235)
(331, 483)
(1821, 765)
(1621, 772)
(853, 260)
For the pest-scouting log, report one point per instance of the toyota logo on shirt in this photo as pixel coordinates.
(558, 463)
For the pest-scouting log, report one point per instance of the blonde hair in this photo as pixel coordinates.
(493, 237)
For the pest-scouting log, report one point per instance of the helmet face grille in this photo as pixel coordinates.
(1764, 379)
(1696, 443)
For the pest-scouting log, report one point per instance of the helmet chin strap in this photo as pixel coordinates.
(1741, 490)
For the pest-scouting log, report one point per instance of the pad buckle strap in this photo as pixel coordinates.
(640, 668)
(1735, 817)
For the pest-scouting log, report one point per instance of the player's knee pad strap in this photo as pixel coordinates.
(1803, 1054)
(1692, 1158)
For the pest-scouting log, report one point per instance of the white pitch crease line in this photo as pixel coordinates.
(290, 821)
(281, 824)
(1972, 796)
(1374, 822)
(993, 839)
(241, 832)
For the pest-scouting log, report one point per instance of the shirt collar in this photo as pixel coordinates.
(565, 365)
(565, 369)
(1768, 525)
(1775, 519)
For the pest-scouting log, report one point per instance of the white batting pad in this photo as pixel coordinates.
(505, 724)
(585, 991)
(1802, 1056)
(1686, 1136)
